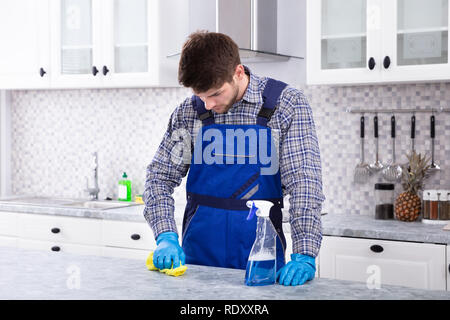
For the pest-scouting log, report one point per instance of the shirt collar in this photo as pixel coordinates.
(253, 94)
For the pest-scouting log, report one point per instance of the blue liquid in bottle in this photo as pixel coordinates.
(260, 272)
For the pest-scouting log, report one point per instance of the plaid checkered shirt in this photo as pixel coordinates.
(299, 162)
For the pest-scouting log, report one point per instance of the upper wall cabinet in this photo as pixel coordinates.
(377, 41)
(24, 35)
(90, 43)
(104, 43)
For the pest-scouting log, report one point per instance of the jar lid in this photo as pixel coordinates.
(443, 195)
(433, 195)
(384, 186)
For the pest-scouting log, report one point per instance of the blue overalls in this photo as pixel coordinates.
(223, 176)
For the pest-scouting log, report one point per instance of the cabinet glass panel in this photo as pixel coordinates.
(130, 36)
(422, 32)
(76, 36)
(344, 34)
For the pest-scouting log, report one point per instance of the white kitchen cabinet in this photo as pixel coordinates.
(57, 247)
(128, 234)
(380, 262)
(60, 229)
(90, 43)
(25, 40)
(130, 42)
(415, 38)
(377, 41)
(119, 43)
(76, 43)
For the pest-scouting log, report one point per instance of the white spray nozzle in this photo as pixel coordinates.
(262, 205)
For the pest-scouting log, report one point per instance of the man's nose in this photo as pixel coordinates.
(209, 104)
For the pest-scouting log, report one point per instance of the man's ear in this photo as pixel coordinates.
(239, 71)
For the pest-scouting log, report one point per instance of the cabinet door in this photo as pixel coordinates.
(130, 42)
(60, 229)
(126, 234)
(343, 41)
(75, 43)
(416, 265)
(415, 40)
(24, 35)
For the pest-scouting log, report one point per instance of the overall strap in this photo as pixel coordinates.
(206, 116)
(270, 96)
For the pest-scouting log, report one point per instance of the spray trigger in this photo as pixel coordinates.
(252, 212)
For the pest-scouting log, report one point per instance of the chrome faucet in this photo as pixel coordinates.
(93, 192)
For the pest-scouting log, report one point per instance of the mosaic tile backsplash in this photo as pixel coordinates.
(55, 132)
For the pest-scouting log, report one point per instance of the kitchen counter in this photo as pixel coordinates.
(363, 226)
(28, 274)
(347, 225)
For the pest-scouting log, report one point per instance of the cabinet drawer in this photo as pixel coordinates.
(416, 265)
(8, 223)
(60, 229)
(58, 247)
(126, 253)
(121, 233)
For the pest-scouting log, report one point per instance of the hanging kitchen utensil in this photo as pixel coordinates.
(413, 132)
(377, 165)
(362, 170)
(413, 137)
(433, 167)
(393, 172)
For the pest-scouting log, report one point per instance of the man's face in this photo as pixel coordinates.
(220, 99)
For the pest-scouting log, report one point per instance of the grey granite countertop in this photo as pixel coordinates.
(348, 225)
(363, 226)
(28, 274)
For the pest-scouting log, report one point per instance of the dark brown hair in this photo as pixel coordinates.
(208, 60)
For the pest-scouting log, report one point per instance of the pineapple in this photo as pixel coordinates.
(408, 203)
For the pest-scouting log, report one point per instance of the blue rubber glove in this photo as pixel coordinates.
(168, 251)
(296, 272)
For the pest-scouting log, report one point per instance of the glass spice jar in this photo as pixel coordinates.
(434, 205)
(444, 205)
(426, 204)
(384, 201)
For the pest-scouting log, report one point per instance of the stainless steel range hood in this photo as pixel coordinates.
(253, 24)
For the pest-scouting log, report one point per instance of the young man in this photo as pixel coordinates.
(231, 102)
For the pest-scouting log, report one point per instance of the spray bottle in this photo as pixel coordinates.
(261, 264)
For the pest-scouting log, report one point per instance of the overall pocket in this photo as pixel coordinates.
(248, 188)
(205, 236)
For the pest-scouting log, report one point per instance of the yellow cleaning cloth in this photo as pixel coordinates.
(171, 272)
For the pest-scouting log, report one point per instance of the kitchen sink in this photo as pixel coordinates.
(98, 204)
(68, 203)
(40, 201)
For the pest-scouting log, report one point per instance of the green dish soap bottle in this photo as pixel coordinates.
(124, 188)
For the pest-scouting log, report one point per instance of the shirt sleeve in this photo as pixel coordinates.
(166, 172)
(301, 176)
